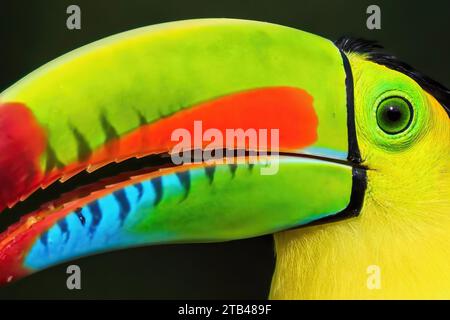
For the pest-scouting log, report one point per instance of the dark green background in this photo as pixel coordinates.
(34, 32)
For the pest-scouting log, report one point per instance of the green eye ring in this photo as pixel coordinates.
(394, 115)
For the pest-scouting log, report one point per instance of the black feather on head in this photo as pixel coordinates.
(373, 51)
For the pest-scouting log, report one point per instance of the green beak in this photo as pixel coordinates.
(129, 95)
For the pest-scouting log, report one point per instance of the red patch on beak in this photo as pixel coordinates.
(290, 110)
(22, 141)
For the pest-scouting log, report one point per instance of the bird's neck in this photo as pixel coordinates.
(380, 255)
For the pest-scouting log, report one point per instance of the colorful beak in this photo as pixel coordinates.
(278, 99)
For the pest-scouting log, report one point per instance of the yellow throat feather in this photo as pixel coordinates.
(403, 230)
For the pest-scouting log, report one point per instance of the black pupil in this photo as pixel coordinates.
(393, 114)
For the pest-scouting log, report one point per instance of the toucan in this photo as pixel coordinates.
(337, 148)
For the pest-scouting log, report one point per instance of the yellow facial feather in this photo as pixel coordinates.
(403, 230)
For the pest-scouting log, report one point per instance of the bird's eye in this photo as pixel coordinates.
(394, 115)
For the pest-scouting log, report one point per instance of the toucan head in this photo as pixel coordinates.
(401, 235)
(402, 124)
(208, 130)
